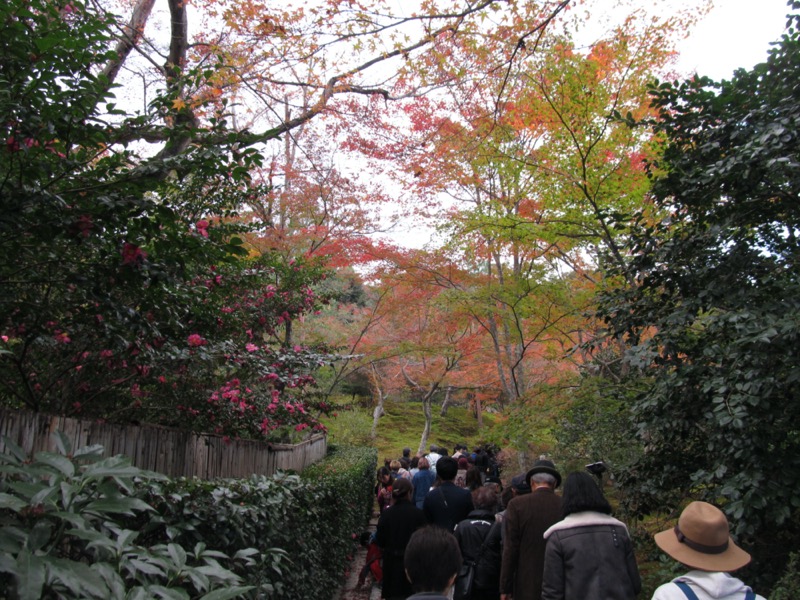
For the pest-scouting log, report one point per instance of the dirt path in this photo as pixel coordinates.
(351, 590)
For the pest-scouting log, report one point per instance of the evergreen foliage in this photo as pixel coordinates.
(711, 310)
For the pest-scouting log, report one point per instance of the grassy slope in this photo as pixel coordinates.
(402, 426)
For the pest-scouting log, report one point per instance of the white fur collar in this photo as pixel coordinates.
(584, 519)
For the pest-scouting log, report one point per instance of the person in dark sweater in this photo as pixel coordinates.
(447, 504)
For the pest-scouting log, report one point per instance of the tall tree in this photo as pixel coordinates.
(711, 314)
(532, 164)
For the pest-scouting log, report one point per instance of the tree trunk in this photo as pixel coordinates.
(378, 412)
(447, 394)
(426, 431)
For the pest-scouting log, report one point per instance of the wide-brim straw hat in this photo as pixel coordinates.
(544, 466)
(701, 540)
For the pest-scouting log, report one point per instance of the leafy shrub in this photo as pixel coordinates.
(63, 533)
(788, 587)
(302, 526)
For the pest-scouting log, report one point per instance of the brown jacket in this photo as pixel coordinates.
(526, 519)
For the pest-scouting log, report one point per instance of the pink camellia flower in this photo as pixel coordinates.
(251, 348)
(195, 340)
(132, 254)
(4, 338)
(202, 227)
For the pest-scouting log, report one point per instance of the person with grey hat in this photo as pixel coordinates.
(701, 541)
(526, 519)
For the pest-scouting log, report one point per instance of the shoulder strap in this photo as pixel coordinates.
(484, 545)
(686, 590)
(750, 595)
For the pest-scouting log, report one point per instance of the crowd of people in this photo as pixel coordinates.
(449, 528)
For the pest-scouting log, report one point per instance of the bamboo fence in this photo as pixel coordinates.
(173, 452)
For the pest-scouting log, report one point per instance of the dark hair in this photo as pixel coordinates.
(431, 559)
(414, 462)
(443, 451)
(402, 488)
(506, 496)
(581, 493)
(473, 478)
(485, 498)
(447, 468)
(384, 471)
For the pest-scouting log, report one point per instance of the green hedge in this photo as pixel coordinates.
(304, 526)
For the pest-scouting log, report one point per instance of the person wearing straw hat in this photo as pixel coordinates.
(701, 541)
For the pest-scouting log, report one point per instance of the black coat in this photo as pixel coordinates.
(447, 504)
(395, 526)
(472, 533)
(590, 557)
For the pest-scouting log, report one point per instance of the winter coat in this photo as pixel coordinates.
(422, 483)
(392, 534)
(447, 504)
(479, 528)
(589, 555)
(526, 519)
(707, 586)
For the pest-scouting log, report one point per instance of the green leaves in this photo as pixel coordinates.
(58, 512)
(712, 312)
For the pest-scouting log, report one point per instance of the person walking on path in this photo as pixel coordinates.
(701, 542)
(589, 553)
(432, 560)
(526, 519)
(423, 481)
(433, 457)
(479, 540)
(393, 532)
(447, 504)
(383, 488)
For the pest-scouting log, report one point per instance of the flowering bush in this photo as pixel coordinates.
(274, 406)
(128, 295)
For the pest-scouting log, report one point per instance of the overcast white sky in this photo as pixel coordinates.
(736, 33)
